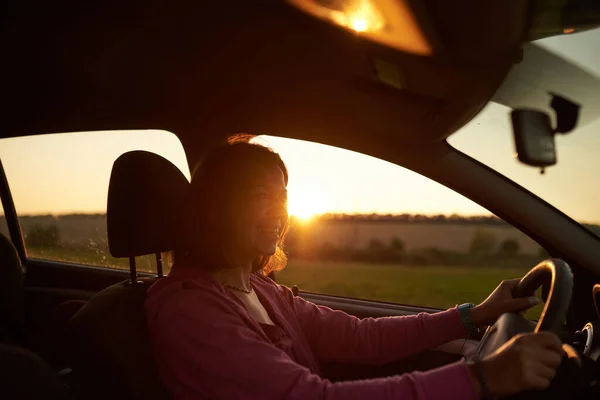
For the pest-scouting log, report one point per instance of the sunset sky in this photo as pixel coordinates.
(67, 173)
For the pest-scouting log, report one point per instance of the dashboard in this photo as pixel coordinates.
(587, 340)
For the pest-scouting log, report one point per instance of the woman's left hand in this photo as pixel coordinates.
(501, 301)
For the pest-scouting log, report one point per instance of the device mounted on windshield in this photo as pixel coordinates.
(534, 134)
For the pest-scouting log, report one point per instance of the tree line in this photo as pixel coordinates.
(484, 249)
(413, 218)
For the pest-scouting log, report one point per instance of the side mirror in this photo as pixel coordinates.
(534, 134)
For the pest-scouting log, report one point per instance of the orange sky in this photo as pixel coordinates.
(68, 173)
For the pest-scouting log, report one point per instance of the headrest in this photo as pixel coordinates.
(144, 191)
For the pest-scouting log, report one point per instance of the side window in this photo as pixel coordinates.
(368, 229)
(59, 184)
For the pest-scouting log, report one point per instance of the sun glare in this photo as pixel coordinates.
(305, 204)
(363, 18)
(359, 24)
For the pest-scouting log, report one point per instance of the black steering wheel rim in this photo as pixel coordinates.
(556, 275)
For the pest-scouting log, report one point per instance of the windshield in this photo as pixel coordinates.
(572, 184)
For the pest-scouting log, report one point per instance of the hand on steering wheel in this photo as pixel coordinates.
(526, 362)
(511, 358)
(502, 301)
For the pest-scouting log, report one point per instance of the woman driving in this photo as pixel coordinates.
(222, 329)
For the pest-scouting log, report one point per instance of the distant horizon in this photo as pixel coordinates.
(468, 217)
(322, 179)
(315, 215)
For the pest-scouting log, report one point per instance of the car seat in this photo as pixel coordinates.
(24, 375)
(11, 294)
(111, 355)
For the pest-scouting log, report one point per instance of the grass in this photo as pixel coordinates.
(428, 286)
(90, 257)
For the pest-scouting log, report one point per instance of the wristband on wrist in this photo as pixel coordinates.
(464, 310)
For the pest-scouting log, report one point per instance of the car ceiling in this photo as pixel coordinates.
(212, 68)
(204, 70)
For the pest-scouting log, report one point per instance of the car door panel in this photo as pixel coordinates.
(433, 358)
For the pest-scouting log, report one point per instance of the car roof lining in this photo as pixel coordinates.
(260, 67)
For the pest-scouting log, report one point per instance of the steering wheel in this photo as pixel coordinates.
(556, 277)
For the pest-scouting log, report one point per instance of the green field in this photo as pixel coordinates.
(90, 257)
(430, 286)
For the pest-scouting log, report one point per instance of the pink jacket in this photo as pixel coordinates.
(208, 346)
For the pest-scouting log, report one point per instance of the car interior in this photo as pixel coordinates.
(206, 70)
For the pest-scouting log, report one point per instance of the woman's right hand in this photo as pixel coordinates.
(526, 362)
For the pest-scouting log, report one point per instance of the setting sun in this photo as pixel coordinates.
(305, 204)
